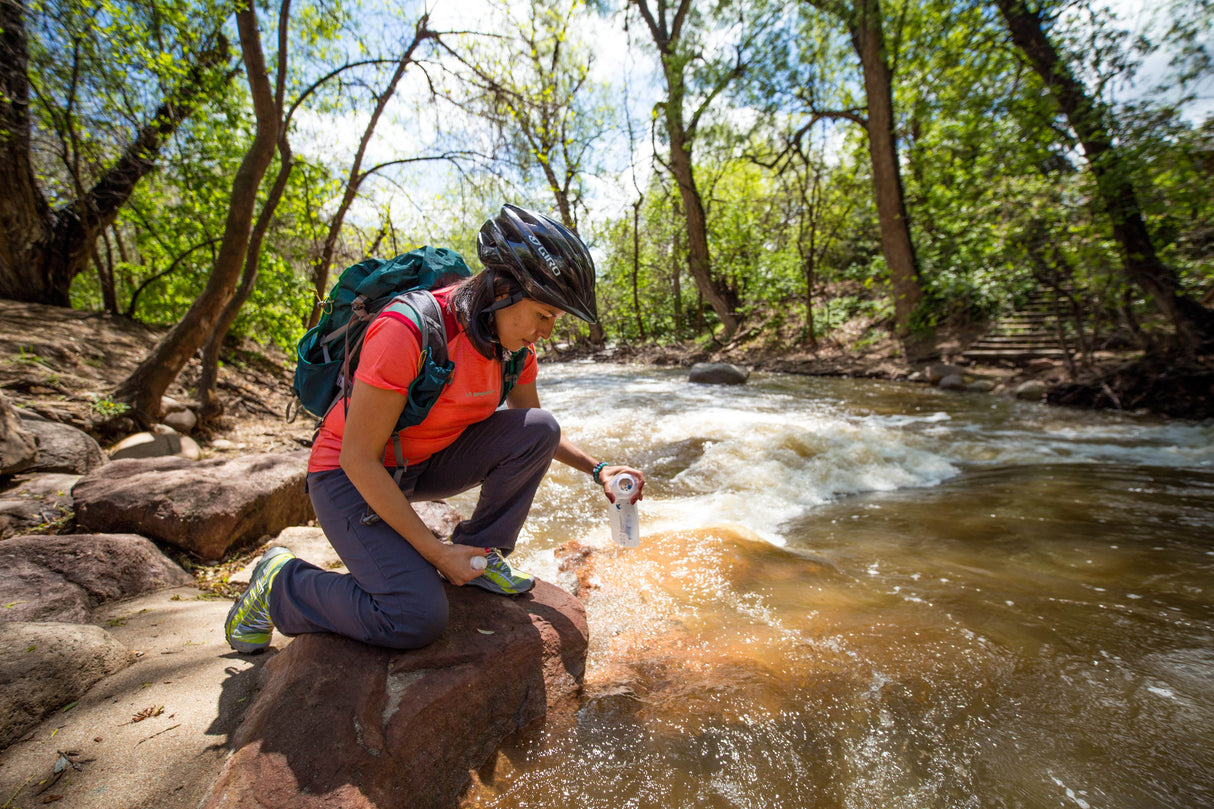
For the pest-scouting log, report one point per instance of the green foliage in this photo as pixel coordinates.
(999, 197)
(29, 359)
(107, 408)
(99, 69)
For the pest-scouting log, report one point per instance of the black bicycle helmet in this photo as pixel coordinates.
(544, 257)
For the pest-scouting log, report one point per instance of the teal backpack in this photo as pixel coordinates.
(328, 354)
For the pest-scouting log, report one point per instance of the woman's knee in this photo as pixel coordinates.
(542, 426)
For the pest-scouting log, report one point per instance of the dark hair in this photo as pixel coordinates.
(474, 302)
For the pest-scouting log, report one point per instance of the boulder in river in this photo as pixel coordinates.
(939, 371)
(718, 373)
(1032, 391)
(952, 382)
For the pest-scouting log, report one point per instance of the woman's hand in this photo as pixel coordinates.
(610, 472)
(455, 563)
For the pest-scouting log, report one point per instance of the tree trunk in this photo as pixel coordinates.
(636, 265)
(105, 276)
(1194, 323)
(809, 190)
(559, 192)
(869, 41)
(210, 407)
(208, 381)
(42, 251)
(676, 276)
(25, 218)
(145, 387)
(666, 35)
(809, 256)
(700, 263)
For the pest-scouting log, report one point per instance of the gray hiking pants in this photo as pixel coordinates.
(392, 596)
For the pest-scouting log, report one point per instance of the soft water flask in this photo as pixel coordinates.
(625, 520)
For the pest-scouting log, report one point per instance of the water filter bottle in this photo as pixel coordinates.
(625, 520)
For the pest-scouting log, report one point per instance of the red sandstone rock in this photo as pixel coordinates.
(343, 725)
(62, 578)
(204, 507)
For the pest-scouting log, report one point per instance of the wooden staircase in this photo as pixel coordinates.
(1028, 333)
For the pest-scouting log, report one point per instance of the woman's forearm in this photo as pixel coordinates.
(374, 411)
(572, 455)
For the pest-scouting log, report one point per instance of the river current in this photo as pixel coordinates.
(863, 594)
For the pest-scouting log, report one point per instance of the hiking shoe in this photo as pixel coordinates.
(500, 578)
(248, 627)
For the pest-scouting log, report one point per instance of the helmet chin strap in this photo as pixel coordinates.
(490, 313)
(490, 317)
(501, 301)
(504, 301)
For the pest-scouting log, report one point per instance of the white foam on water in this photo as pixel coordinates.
(1070, 793)
(771, 454)
(760, 456)
(762, 469)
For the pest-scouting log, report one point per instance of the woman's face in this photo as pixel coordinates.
(527, 321)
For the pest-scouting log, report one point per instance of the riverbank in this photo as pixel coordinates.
(62, 363)
(1163, 385)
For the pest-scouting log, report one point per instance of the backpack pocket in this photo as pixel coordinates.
(317, 372)
(425, 389)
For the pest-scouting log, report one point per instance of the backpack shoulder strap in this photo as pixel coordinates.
(434, 370)
(420, 306)
(512, 369)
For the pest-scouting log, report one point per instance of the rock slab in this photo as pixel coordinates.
(343, 725)
(203, 507)
(63, 578)
(45, 666)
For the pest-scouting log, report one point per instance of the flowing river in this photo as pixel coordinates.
(865, 594)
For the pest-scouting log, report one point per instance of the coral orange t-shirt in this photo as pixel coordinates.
(390, 358)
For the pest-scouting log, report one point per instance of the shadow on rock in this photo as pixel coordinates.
(236, 696)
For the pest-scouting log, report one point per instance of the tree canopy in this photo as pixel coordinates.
(739, 165)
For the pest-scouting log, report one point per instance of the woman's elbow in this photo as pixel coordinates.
(354, 461)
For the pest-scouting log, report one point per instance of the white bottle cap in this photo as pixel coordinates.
(623, 484)
(478, 563)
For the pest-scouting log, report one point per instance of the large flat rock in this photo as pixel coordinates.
(65, 577)
(46, 666)
(203, 507)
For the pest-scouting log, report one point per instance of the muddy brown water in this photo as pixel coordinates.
(861, 594)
